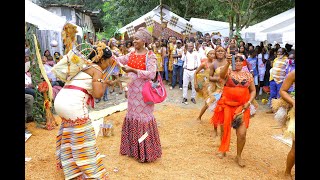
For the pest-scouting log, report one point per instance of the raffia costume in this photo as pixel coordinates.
(285, 115)
(210, 91)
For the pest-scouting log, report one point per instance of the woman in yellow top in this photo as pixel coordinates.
(157, 49)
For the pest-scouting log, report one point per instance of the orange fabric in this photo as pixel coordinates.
(244, 63)
(137, 61)
(232, 98)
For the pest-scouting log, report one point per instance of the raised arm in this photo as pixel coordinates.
(224, 69)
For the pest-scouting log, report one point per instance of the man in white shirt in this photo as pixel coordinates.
(191, 63)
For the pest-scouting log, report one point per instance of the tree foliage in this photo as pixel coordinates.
(38, 111)
(115, 14)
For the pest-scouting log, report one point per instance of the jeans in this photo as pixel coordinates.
(177, 69)
(166, 72)
(105, 95)
(28, 106)
(30, 91)
(274, 90)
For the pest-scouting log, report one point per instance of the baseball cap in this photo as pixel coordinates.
(178, 41)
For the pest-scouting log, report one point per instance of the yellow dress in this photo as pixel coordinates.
(159, 59)
(172, 51)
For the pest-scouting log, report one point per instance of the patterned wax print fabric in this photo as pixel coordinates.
(140, 122)
(76, 151)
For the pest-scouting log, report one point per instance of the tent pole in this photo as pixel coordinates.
(161, 18)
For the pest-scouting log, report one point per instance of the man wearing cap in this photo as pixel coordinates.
(177, 65)
(191, 63)
(289, 48)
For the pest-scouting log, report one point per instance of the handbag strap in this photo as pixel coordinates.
(162, 91)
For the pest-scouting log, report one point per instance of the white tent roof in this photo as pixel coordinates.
(209, 26)
(44, 19)
(155, 14)
(280, 29)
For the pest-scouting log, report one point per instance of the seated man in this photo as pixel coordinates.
(28, 85)
(28, 108)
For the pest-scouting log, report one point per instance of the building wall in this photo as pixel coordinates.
(70, 15)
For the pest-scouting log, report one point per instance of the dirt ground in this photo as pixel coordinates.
(188, 148)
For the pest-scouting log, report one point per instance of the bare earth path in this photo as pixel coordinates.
(188, 148)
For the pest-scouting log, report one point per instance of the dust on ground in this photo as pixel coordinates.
(188, 147)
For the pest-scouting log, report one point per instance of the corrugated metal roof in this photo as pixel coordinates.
(93, 14)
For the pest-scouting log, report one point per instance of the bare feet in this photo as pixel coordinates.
(221, 155)
(269, 111)
(215, 134)
(288, 176)
(240, 161)
(199, 119)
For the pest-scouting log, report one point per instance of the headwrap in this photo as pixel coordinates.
(143, 34)
(207, 50)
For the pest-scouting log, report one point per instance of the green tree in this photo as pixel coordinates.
(115, 14)
(243, 13)
(38, 110)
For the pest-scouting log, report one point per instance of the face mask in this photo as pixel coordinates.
(291, 61)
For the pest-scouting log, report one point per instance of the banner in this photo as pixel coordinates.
(149, 24)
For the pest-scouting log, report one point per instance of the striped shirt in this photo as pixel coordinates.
(279, 69)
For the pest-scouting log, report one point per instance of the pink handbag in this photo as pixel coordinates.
(154, 92)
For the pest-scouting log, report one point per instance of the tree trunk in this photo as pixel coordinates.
(187, 8)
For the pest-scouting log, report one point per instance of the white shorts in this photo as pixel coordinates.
(256, 82)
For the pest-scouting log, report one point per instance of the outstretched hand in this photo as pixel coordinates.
(128, 69)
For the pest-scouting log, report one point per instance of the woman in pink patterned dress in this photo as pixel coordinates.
(140, 137)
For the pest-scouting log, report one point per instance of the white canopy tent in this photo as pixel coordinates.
(44, 19)
(49, 24)
(210, 26)
(278, 29)
(155, 15)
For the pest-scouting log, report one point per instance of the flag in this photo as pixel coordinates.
(130, 31)
(173, 21)
(188, 28)
(149, 23)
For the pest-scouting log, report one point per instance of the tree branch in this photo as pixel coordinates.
(266, 4)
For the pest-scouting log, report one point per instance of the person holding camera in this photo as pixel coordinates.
(57, 57)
